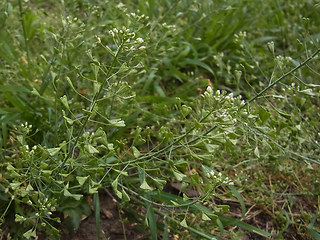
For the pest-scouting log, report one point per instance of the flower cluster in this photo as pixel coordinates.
(26, 149)
(219, 178)
(129, 38)
(240, 38)
(26, 128)
(282, 61)
(165, 25)
(222, 95)
(137, 17)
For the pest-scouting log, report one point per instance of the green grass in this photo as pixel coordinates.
(218, 99)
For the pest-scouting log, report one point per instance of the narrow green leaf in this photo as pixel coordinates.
(96, 207)
(165, 229)
(256, 152)
(71, 84)
(68, 120)
(308, 91)
(96, 87)
(240, 199)
(152, 222)
(200, 64)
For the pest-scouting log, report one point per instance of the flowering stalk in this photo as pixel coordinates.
(92, 105)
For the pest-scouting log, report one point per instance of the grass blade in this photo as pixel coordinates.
(96, 205)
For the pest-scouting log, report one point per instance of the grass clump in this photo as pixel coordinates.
(201, 125)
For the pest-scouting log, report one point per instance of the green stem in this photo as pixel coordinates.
(282, 77)
(191, 229)
(92, 105)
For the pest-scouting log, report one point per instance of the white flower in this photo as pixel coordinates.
(209, 89)
(111, 33)
(139, 40)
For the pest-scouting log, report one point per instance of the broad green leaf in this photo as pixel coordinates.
(81, 180)
(29, 188)
(19, 218)
(179, 176)
(10, 167)
(53, 151)
(125, 196)
(204, 217)
(116, 123)
(77, 197)
(114, 184)
(263, 114)
(46, 173)
(136, 152)
(183, 223)
(30, 233)
(91, 149)
(145, 186)
(115, 188)
(15, 185)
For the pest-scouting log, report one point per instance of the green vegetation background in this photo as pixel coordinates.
(217, 98)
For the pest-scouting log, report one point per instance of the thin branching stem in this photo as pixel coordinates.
(92, 105)
(282, 78)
